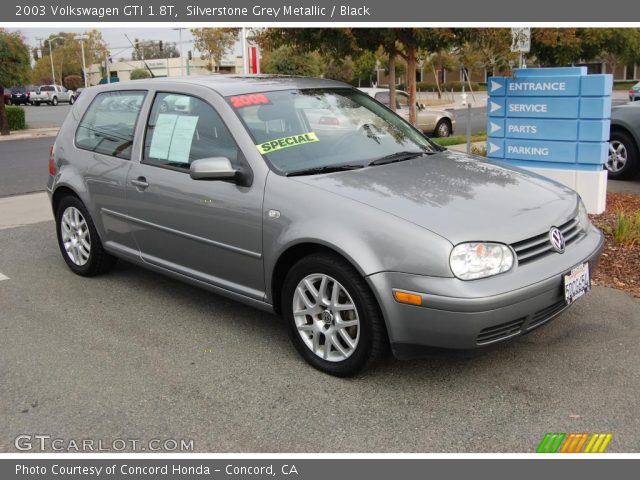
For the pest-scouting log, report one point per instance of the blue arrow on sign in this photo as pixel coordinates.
(496, 86)
(496, 107)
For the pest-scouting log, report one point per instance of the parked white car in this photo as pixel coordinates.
(52, 95)
(433, 122)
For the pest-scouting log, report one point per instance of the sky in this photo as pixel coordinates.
(117, 42)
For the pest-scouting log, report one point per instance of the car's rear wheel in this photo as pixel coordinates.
(334, 319)
(37, 104)
(54, 101)
(443, 129)
(72, 100)
(78, 239)
(623, 159)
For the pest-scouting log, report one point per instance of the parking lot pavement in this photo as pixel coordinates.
(24, 165)
(624, 186)
(136, 355)
(46, 115)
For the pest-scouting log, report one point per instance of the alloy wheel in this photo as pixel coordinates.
(75, 236)
(326, 317)
(617, 156)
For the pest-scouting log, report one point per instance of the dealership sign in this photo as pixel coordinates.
(553, 121)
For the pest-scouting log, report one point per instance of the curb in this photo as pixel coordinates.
(30, 133)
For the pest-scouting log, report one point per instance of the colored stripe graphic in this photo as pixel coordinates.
(574, 443)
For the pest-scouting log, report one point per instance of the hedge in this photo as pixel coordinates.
(456, 86)
(16, 117)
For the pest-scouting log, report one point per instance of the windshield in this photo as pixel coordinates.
(298, 130)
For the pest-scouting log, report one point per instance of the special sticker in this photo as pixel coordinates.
(286, 142)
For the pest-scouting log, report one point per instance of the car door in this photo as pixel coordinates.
(208, 230)
(103, 145)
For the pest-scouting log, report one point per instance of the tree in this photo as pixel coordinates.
(556, 46)
(139, 73)
(214, 43)
(14, 68)
(364, 66)
(67, 56)
(341, 70)
(73, 82)
(613, 46)
(286, 60)
(150, 50)
(488, 48)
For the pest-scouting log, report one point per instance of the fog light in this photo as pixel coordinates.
(406, 297)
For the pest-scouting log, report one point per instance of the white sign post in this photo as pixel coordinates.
(521, 42)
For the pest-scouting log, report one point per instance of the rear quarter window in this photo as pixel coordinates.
(109, 123)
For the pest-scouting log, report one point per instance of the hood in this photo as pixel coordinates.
(459, 197)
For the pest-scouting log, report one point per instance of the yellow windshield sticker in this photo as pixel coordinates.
(286, 142)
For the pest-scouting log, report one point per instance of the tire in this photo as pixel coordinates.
(365, 329)
(97, 261)
(72, 100)
(623, 159)
(37, 104)
(54, 101)
(443, 129)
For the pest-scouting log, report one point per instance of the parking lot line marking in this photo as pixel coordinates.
(3, 277)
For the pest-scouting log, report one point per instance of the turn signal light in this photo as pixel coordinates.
(406, 297)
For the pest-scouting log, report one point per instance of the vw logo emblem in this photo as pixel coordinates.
(556, 239)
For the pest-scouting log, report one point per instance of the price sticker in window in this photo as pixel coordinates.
(241, 101)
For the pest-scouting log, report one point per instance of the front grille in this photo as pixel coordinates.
(546, 314)
(539, 246)
(500, 332)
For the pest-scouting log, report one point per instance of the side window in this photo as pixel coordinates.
(402, 100)
(182, 129)
(383, 98)
(109, 123)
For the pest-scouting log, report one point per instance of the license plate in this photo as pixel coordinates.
(576, 283)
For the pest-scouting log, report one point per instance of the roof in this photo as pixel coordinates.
(244, 84)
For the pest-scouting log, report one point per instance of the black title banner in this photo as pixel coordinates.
(261, 11)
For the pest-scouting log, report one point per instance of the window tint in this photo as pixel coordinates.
(402, 100)
(109, 123)
(47, 88)
(182, 129)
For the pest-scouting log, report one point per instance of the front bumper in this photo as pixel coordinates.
(466, 315)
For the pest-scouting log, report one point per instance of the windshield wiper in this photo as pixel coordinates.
(325, 169)
(398, 157)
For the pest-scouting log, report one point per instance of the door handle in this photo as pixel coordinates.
(140, 182)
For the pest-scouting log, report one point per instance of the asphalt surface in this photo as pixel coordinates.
(136, 355)
(46, 116)
(24, 165)
(478, 120)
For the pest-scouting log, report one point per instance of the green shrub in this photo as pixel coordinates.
(16, 117)
(456, 86)
(139, 73)
(627, 229)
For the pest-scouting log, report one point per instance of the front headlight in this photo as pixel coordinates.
(473, 260)
(583, 218)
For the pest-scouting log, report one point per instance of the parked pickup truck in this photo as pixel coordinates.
(52, 94)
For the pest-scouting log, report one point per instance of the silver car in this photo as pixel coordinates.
(437, 123)
(348, 221)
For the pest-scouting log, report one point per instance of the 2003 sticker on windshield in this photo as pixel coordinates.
(286, 142)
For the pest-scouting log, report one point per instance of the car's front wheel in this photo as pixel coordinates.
(78, 239)
(72, 100)
(334, 319)
(623, 156)
(443, 129)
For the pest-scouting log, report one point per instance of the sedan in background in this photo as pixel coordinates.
(634, 92)
(624, 159)
(436, 123)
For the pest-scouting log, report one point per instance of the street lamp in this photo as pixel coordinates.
(81, 39)
(180, 43)
(53, 73)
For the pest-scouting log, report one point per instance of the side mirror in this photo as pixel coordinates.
(214, 168)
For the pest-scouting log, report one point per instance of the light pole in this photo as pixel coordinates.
(179, 29)
(53, 73)
(81, 39)
(245, 59)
